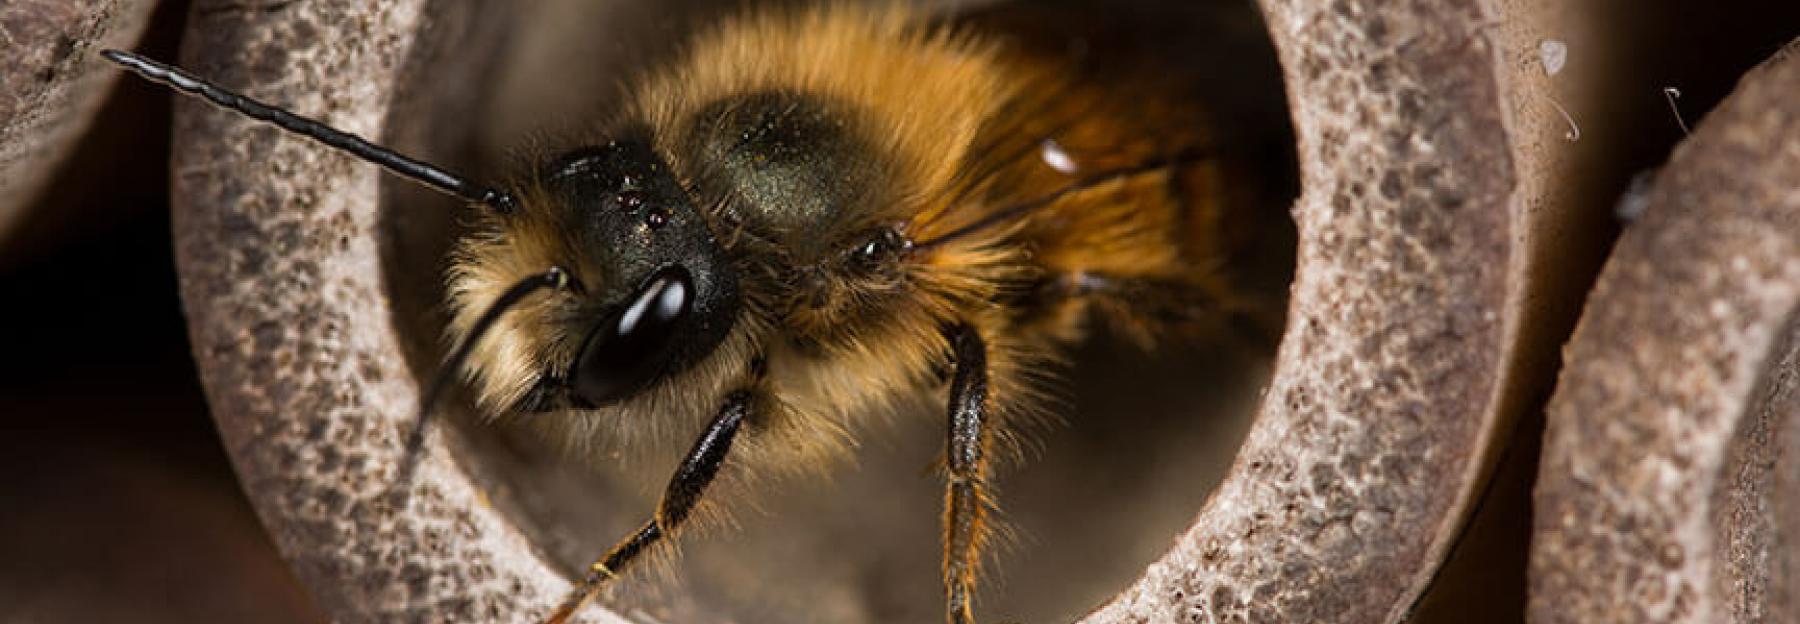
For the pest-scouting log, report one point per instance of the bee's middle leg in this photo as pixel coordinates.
(967, 502)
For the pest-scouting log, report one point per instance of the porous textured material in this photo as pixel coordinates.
(1393, 381)
(1667, 489)
(277, 241)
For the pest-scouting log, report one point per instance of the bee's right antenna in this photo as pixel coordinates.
(424, 173)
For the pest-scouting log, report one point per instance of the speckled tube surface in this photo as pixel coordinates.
(1427, 168)
(291, 323)
(1668, 490)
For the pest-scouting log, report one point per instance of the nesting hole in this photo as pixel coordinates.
(1145, 436)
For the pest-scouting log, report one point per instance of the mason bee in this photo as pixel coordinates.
(811, 215)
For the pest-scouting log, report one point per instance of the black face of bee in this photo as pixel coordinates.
(670, 292)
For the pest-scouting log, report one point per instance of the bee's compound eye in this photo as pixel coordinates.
(881, 246)
(634, 346)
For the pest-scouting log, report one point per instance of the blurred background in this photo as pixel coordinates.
(117, 503)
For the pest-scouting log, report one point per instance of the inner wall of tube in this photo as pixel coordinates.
(1145, 436)
(1754, 519)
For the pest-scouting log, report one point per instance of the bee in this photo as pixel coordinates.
(812, 215)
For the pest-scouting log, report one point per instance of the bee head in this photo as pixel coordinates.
(655, 291)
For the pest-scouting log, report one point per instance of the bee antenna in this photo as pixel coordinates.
(555, 278)
(1020, 209)
(424, 173)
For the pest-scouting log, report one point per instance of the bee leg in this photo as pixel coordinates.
(966, 498)
(685, 488)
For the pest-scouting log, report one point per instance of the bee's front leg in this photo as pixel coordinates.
(966, 499)
(685, 488)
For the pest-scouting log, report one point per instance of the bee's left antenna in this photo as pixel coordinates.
(498, 200)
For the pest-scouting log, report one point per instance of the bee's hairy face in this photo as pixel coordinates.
(766, 205)
(652, 291)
